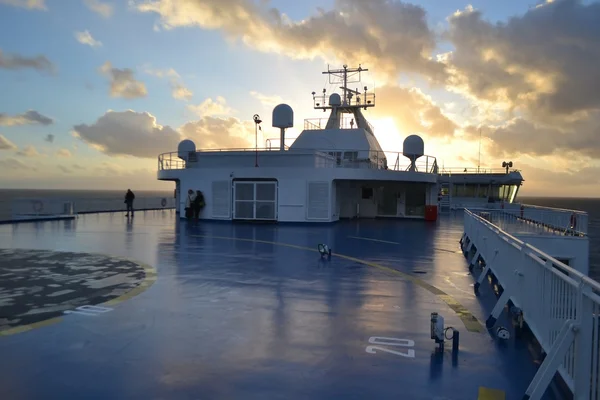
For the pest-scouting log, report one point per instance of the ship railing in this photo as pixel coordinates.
(560, 305)
(525, 218)
(340, 158)
(36, 208)
(347, 122)
(474, 170)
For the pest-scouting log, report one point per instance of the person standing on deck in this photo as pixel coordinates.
(189, 204)
(129, 197)
(198, 204)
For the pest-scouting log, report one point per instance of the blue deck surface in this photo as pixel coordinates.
(244, 311)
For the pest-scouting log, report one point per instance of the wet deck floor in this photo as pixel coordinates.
(252, 312)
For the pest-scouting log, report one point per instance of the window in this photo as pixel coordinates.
(367, 193)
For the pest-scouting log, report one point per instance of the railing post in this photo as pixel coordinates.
(583, 344)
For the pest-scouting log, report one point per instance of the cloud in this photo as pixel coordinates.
(219, 133)
(28, 151)
(64, 169)
(543, 61)
(123, 82)
(209, 107)
(86, 38)
(31, 117)
(64, 153)
(16, 61)
(178, 90)
(49, 138)
(267, 100)
(522, 136)
(138, 134)
(14, 164)
(104, 9)
(28, 4)
(6, 144)
(392, 35)
(129, 133)
(77, 166)
(413, 112)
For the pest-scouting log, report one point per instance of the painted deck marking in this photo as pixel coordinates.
(469, 320)
(491, 394)
(389, 341)
(389, 242)
(90, 311)
(150, 278)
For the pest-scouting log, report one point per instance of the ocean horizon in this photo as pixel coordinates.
(88, 200)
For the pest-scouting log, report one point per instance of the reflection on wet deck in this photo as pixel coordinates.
(250, 311)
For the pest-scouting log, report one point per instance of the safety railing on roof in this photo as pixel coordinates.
(339, 158)
(560, 305)
(525, 218)
(474, 170)
(312, 124)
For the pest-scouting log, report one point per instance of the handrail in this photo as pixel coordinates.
(527, 218)
(337, 158)
(550, 295)
(475, 170)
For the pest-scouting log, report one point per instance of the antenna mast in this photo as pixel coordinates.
(479, 160)
(351, 98)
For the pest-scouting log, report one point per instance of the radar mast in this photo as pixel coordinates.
(351, 102)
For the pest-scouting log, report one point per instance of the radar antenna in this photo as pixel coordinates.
(351, 98)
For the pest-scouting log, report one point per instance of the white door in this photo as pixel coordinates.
(255, 200)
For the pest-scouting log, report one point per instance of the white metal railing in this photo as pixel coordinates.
(560, 305)
(311, 124)
(341, 158)
(24, 208)
(521, 219)
(474, 170)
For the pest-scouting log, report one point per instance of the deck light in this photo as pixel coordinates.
(324, 250)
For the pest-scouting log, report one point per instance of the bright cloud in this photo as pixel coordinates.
(123, 82)
(65, 153)
(6, 144)
(128, 133)
(178, 89)
(28, 151)
(103, 9)
(28, 4)
(210, 107)
(393, 35)
(86, 38)
(138, 134)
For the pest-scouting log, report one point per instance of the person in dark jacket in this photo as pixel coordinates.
(198, 204)
(129, 197)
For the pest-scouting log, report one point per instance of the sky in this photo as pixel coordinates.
(94, 90)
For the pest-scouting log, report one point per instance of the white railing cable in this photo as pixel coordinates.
(560, 305)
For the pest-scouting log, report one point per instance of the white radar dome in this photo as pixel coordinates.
(283, 116)
(335, 100)
(413, 147)
(185, 147)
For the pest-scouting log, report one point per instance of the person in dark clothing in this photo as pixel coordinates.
(129, 197)
(198, 204)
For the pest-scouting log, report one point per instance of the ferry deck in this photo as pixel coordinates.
(246, 311)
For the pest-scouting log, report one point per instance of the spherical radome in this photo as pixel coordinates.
(335, 100)
(413, 146)
(186, 147)
(283, 116)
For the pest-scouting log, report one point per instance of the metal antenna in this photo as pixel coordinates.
(479, 161)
